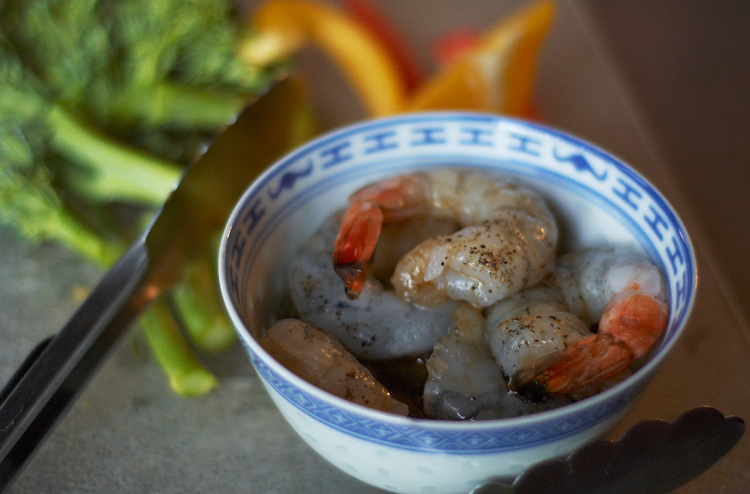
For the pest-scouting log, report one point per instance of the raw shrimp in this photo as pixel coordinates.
(621, 290)
(507, 242)
(531, 325)
(464, 380)
(376, 326)
(589, 279)
(324, 362)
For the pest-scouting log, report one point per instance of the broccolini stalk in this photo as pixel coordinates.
(105, 170)
(175, 105)
(199, 307)
(186, 374)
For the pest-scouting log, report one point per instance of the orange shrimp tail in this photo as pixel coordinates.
(398, 198)
(635, 319)
(628, 328)
(581, 366)
(355, 243)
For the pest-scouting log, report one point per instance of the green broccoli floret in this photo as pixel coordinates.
(29, 201)
(97, 167)
(32, 207)
(159, 74)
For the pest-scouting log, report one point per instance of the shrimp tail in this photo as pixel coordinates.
(355, 243)
(388, 200)
(635, 318)
(590, 360)
(629, 326)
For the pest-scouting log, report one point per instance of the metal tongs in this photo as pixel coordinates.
(54, 374)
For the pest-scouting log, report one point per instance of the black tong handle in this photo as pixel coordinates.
(55, 372)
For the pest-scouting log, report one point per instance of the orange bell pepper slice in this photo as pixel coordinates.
(287, 26)
(495, 75)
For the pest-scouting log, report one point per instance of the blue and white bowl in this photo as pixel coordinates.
(597, 200)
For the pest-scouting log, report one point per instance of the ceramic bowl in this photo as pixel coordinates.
(597, 200)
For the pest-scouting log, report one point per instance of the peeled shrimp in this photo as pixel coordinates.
(325, 363)
(464, 380)
(507, 241)
(531, 325)
(376, 326)
(590, 279)
(621, 290)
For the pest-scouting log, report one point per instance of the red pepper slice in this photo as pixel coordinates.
(451, 46)
(377, 23)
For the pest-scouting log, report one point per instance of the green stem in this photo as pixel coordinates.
(199, 307)
(169, 104)
(71, 233)
(186, 374)
(112, 171)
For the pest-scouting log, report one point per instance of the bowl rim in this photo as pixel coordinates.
(629, 385)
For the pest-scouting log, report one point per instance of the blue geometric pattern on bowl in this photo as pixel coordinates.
(416, 437)
(471, 140)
